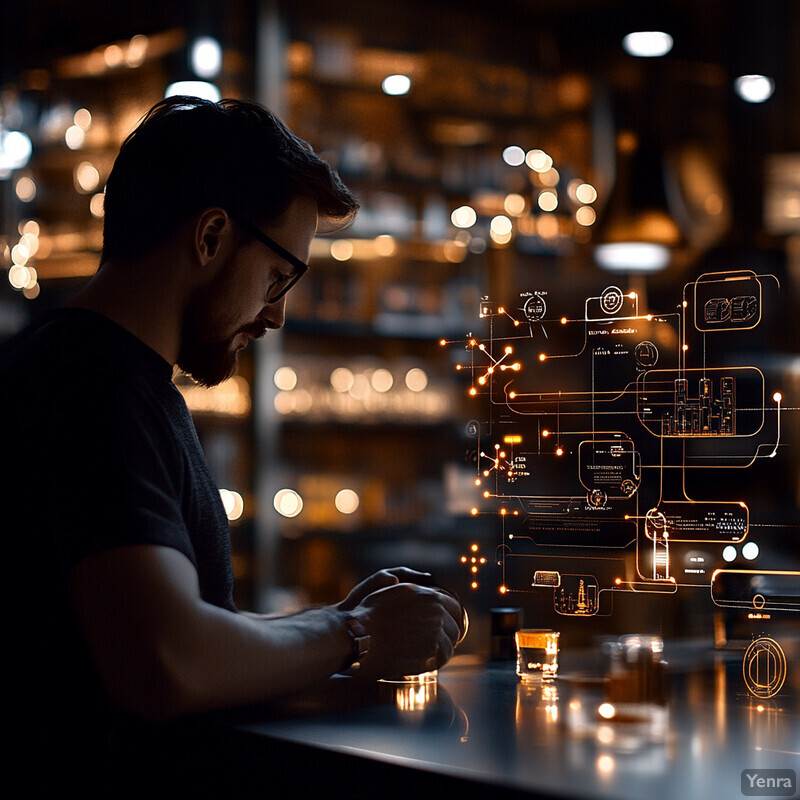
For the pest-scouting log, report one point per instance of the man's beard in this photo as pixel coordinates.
(208, 361)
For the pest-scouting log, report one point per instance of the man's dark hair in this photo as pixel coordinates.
(189, 154)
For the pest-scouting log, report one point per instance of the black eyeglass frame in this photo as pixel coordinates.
(300, 266)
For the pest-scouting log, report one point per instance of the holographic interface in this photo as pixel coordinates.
(615, 444)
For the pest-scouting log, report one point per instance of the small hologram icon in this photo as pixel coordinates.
(474, 562)
(764, 667)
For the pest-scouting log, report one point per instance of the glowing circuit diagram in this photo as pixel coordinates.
(612, 442)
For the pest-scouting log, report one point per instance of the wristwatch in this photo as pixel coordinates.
(361, 642)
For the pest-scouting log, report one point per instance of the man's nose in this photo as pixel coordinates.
(273, 315)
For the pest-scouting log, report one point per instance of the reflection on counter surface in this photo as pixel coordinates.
(563, 738)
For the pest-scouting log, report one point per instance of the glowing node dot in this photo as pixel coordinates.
(542, 356)
(463, 559)
(729, 553)
(618, 581)
(685, 347)
(750, 551)
(560, 451)
(443, 342)
(777, 397)
(474, 548)
(474, 584)
(563, 320)
(474, 512)
(545, 433)
(503, 589)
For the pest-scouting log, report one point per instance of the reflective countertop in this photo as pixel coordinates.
(479, 723)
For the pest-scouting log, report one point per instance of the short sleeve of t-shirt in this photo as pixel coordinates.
(115, 474)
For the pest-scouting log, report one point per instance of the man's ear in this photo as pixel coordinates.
(210, 230)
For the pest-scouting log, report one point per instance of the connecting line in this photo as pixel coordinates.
(777, 397)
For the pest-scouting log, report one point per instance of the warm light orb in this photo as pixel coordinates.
(86, 177)
(25, 189)
(586, 193)
(342, 379)
(464, 217)
(501, 225)
(233, 503)
(381, 380)
(342, 249)
(74, 137)
(347, 501)
(514, 204)
(83, 119)
(416, 379)
(548, 201)
(288, 502)
(285, 378)
(777, 397)
(385, 245)
(538, 161)
(97, 205)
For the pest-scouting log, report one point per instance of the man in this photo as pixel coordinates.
(119, 585)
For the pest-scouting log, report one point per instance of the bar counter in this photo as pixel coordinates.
(479, 730)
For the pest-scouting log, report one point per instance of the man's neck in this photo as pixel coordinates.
(139, 301)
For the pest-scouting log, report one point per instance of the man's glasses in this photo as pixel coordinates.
(283, 283)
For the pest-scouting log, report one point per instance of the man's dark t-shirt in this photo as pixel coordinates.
(98, 451)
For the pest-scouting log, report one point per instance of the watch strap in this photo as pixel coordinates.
(360, 639)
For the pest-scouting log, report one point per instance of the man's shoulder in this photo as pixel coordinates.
(52, 340)
(70, 346)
